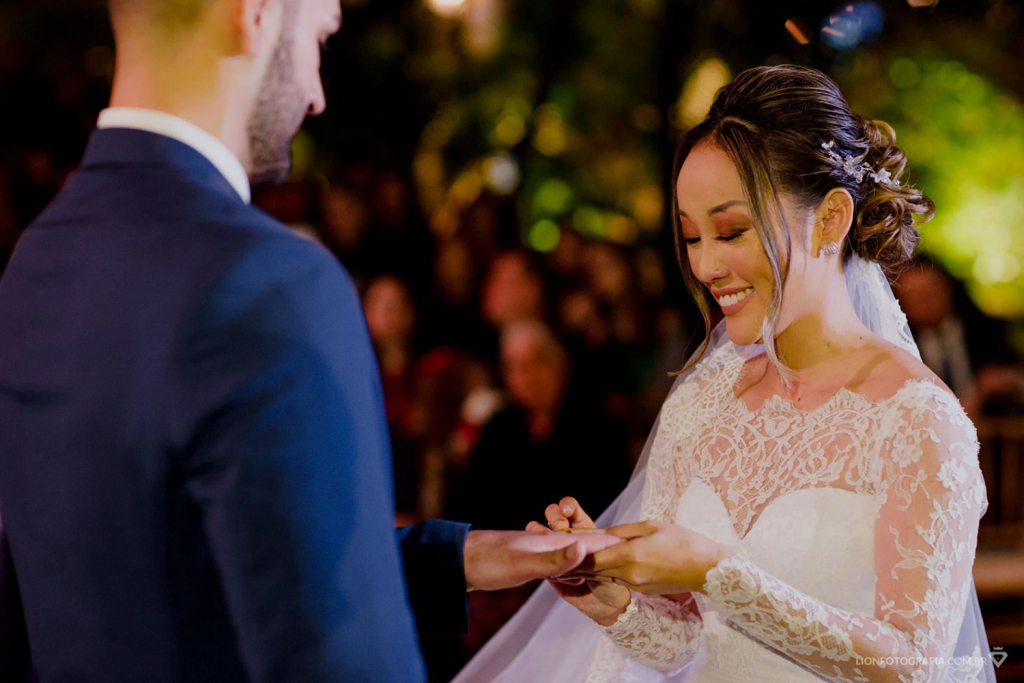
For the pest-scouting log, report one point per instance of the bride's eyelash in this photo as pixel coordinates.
(724, 238)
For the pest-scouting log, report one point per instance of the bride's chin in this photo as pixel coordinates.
(741, 334)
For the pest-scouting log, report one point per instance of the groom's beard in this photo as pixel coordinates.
(279, 111)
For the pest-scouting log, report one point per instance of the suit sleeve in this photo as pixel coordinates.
(432, 556)
(284, 449)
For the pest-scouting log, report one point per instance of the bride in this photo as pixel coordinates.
(812, 503)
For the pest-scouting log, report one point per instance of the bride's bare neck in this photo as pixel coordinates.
(826, 348)
(827, 328)
(811, 344)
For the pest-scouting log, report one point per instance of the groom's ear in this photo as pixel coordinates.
(255, 23)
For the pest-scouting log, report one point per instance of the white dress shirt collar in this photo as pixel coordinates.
(162, 123)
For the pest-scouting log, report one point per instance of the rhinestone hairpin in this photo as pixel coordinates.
(857, 171)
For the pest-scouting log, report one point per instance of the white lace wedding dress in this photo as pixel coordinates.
(855, 524)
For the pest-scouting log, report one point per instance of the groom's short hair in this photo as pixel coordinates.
(167, 14)
(163, 12)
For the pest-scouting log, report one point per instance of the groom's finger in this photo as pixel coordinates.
(558, 562)
(571, 557)
(596, 542)
(631, 531)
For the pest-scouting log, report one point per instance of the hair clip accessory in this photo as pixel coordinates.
(857, 171)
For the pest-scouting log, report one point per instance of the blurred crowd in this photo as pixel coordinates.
(511, 378)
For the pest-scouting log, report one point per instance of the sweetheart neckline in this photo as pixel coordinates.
(760, 515)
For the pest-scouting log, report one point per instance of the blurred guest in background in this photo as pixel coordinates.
(397, 238)
(513, 289)
(565, 261)
(613, 281)
(343, 220)
(548, 429)
(488, 225)
(452, 304)
(620, 363)
(456, 394)
(966, 349)
(391, 320)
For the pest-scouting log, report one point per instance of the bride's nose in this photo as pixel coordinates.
(710, 267)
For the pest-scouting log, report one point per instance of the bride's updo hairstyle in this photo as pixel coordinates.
(772, 122)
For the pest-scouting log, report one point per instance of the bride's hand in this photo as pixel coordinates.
(599, 599)
(658, 558)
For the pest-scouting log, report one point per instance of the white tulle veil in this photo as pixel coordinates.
(548, 640)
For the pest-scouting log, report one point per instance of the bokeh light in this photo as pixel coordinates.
(853, 24)
(447, 8)
(699, 92)
(544, 235)
(964, 137)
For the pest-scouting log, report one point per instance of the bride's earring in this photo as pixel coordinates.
(831, 248)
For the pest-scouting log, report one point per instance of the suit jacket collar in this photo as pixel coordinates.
(132, 147)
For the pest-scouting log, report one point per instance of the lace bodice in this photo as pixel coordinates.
(855, 526)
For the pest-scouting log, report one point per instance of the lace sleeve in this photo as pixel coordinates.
(659, 632)
(666, 633)
(930, 497)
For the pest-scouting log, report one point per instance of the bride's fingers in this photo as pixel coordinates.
(577, 517)
(556, 520)
(568, 581)
(598, 578)
(536, 528)
(582, 576)
(566, 514)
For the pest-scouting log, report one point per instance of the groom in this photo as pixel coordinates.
(194, 463)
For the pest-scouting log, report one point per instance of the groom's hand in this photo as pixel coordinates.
(502, 559)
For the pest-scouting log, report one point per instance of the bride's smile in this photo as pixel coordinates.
(730, 301)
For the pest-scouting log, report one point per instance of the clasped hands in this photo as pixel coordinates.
(655, 558)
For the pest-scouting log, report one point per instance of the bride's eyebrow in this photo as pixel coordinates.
(718, 209)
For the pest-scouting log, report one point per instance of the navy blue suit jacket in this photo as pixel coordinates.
(194, 462)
